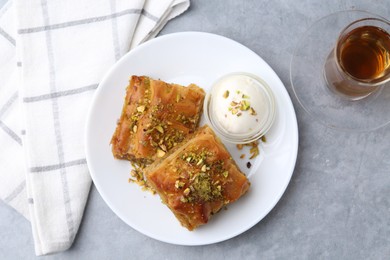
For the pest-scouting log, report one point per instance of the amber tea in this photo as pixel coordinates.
(364, 53)
(360, 62)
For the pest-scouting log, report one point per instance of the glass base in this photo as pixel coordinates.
(366, 111)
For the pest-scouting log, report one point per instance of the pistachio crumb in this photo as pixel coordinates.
(233, 103)
(179, 184)
(141, 109)
(160, 129)
(225, 174)
(252, 111)
(244, 105)
(226, 94)
(204, 168)
(163, 147)
(135, 129)
(160, 153)
(186, 191)
(200, 161)
(253, 149)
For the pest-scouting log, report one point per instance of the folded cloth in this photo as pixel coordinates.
(53, 54)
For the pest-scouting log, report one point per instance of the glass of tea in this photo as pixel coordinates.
(359, 64)
(340, 71)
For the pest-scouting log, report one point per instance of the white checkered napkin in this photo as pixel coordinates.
(12, 182)
(50, 64)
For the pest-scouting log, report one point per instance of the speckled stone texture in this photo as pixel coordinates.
(337, 205)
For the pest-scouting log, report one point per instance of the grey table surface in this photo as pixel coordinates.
(337, 205)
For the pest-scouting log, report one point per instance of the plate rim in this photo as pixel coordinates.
(106, 198)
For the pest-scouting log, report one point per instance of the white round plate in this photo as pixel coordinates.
(183, 58)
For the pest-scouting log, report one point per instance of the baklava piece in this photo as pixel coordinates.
(156, 116)
(197, 178)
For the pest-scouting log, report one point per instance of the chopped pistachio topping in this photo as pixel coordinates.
(244, 105)
(187, 120)
(186, 191)
(137, 176)
(254, 155)
(233, 103)
(179, 184)
(204, 190)
(141, 109)
(226, 94)
(225, 174)
(203, 179)
(200, 161)
(196, 157)
(160, 129)
(240, 103)
(253, 149)
(252, 111)
(160, 153)
(141, 106)
(163, 147)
